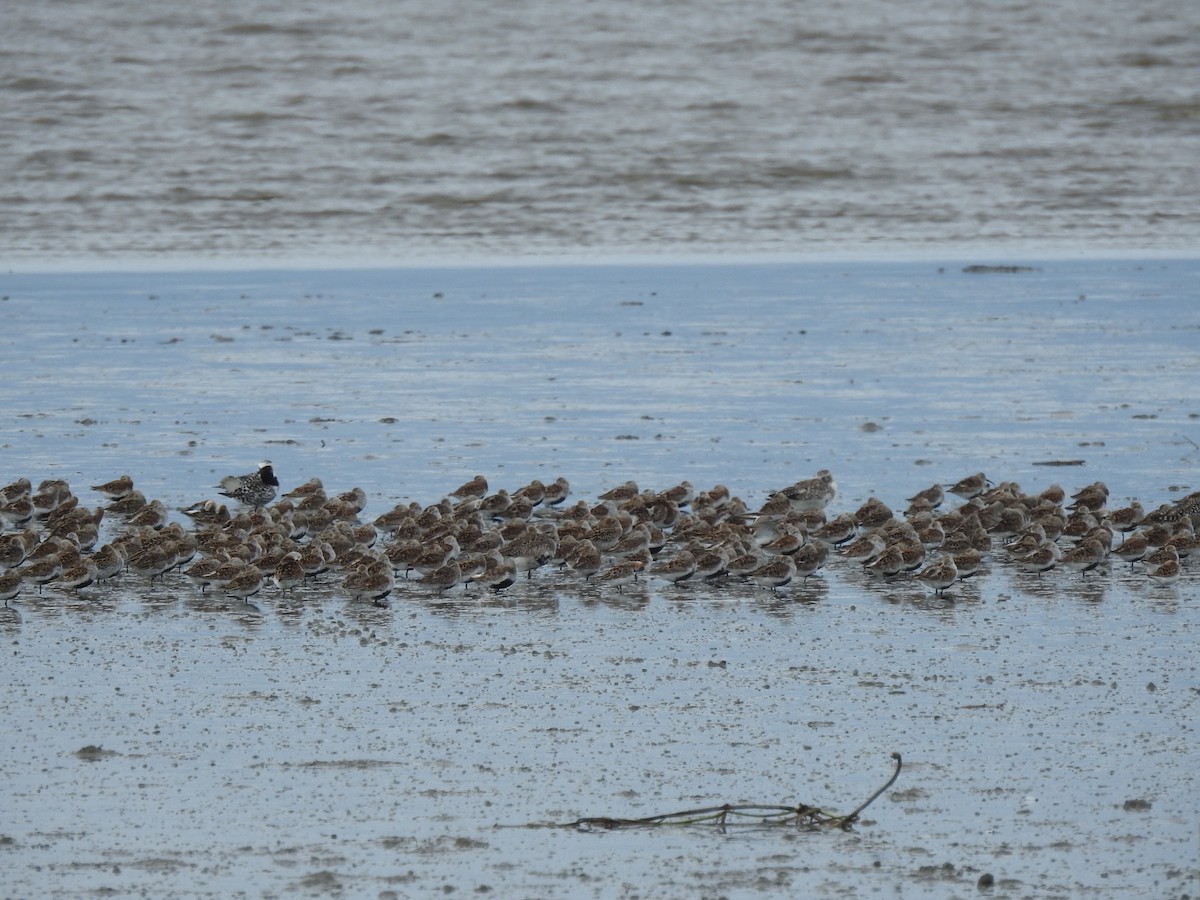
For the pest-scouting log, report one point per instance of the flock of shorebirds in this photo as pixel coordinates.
(493, 539)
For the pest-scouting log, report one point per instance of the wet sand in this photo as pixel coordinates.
(171, 743)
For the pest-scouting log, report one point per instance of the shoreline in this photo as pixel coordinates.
(951, 254)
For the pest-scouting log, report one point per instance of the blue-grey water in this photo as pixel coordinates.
(411, 130)
(168, 743)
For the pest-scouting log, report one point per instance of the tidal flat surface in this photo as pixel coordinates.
(165, 742)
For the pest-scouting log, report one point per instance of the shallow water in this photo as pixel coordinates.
(403, 131)
(313, 745)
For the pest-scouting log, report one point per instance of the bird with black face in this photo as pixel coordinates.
(254, 489)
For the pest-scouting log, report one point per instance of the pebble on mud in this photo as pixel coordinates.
(93, 752)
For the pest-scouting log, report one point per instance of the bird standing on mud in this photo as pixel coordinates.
(256, 489)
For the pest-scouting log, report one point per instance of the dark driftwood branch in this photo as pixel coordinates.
(747, 813)
(875, 796)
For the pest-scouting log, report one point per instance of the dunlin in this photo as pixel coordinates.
(117, 489)
(153, 515)
(18, 511)
(585, 559)
(712, 564)
(621, 492)
(939, 574)
(475, 489)
(888, 563)
(531, 550)
(968, 562)
(873, 514)
(838, 530)
(245, 584)
(10, 585)
(498, 573)
(775, 572)
(1166, 573)
(289, 572)
(19, 488)
(78, 576)
(372, 581)
(932, 497)
(443, 578)
(1039, 559)
(865, 547)
(1128, 517)
(152, 562)
(202, 572)
(12, 551)
(679, 567)
(127, 505)
(1085, 556)
(810, 558)
(620, 574)
(969, 487)
(812, 493)
(1133, 549)
(42, 572)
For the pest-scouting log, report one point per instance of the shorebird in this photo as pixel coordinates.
(10, 585)
(18, 511)
(117, 489)
(153, 515)
(254, 489)
(681, 494)
(443, 578)
(620, 492)
(873, 514)
(316, 557)
(811, 494)
(1165, 573)
(245, 584)
(207, 513)
(128, 505)
(968, 562)
(933, 496)
(888, 563)
(531, 550)
(775, 573)
(865, 547)
(22, 487)
(78, 576)
(621, 574)
(810, 558)
(1127, 518)
(201, 573)
(498, 573)
(371, 581)
(153, 562)
(12, 551)
(43, 571)
(680, 567)
(969, 487)
(289, 573)
(1133, 549)
(475, 489)
(534, 493)
(557, 492)
(585, 559)
(838, 530)
(1040, 559)
(939, 574)
(1085, 556)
